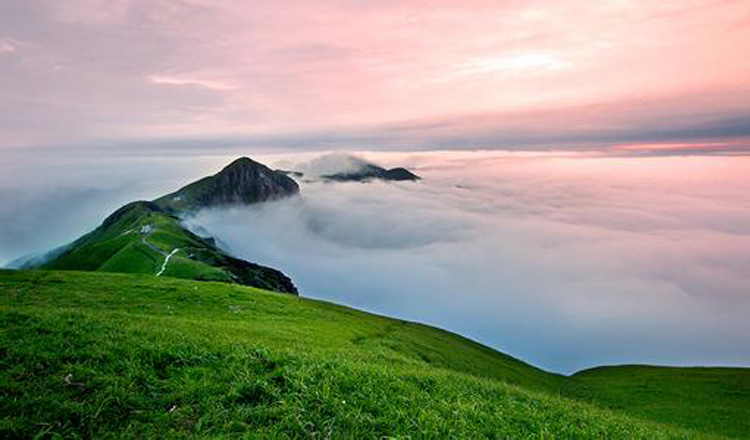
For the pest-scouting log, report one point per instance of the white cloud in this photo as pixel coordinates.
(326, 164)
(7, 46)
(568, 262)
(525, 62)
(356, 66)
(174, 80)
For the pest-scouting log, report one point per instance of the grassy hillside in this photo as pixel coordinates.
(706, 399)
(142, 238)
(244, 182)
(111, 355)
(147, 237)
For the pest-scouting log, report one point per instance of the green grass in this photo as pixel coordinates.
(706, 399)
(180, 267)
(136, 238)
(117, 245)
(113, 355)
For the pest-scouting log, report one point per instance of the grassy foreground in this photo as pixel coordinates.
(706, 399)
(115, 355)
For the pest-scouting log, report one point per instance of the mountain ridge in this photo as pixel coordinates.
(347, 168)
(243, 181)
(147, 236)
(369, 171)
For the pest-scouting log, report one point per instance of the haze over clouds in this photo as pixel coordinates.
(47, 200)
(565, 261)
(378, 74)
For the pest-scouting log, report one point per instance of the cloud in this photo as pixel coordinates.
(34, 220)
(347, 67)
(172, 80)
(70, 194)
(6, 47)
(327, 164)
(523, 64)
(565, 261)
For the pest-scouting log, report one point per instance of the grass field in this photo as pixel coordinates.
(707, 399)
(112, 355)
(137, 239)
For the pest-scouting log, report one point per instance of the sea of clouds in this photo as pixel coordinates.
(564, 260)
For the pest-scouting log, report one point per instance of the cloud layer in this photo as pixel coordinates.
(567, 262)
(564, 260)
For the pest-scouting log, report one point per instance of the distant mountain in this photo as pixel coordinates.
(368, 171)
(244, 181)
(147, 237)
(363, 172)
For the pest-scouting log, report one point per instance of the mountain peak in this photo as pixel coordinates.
(241, 162)
(244, 181)
(368, 171)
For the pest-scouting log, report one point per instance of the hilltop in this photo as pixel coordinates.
(242, 182)
(337, 167)
(117, 355)
(148, 237)
(368, 171)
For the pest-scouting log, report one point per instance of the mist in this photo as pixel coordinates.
(48, 200)
(564, 260)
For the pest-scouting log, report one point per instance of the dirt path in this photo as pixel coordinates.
(154, 248)
(166, 260)
(149, 230)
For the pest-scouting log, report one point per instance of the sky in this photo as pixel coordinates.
(381, 74)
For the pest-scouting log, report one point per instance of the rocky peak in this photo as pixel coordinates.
(368, 171)
(243, 181)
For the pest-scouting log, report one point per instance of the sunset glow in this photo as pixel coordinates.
(498, 74)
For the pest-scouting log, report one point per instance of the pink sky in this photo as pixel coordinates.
(494, 74)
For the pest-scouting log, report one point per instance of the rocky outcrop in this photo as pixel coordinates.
(370, 171)
(244, 181)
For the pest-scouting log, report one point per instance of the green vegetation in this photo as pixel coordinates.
(706, 399)
(139, 238)
(112, 355)
(93, 354)
(146, 237)
(242, 182)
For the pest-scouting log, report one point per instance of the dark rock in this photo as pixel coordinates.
(370, 171)
(244, 181)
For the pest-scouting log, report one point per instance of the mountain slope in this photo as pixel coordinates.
(114, 355)
(701, 398)
(243, 181)
(147, 237)
(142, 238)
